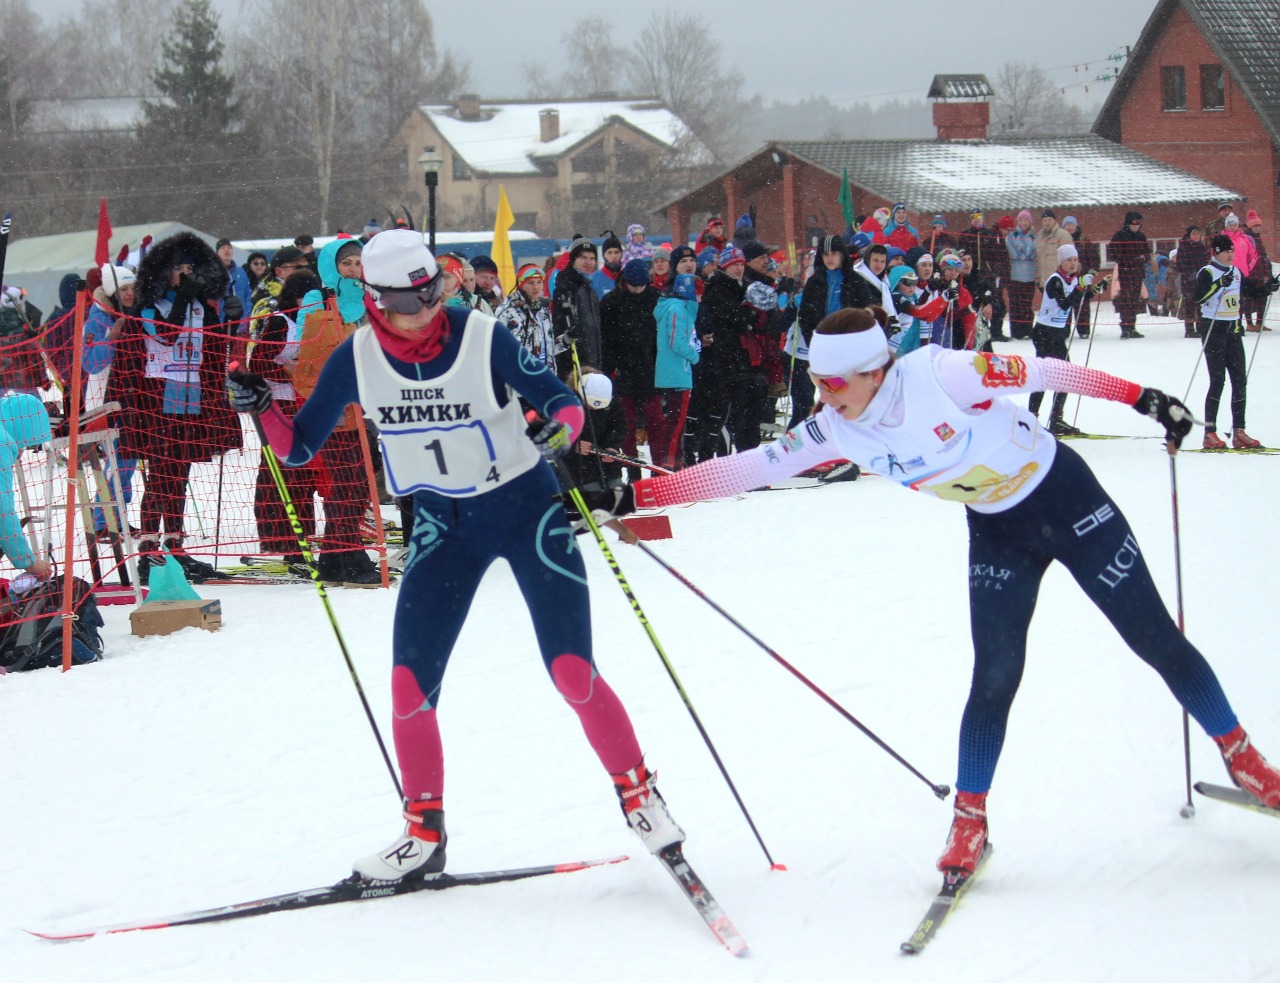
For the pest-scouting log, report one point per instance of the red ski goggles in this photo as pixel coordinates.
(830, 383)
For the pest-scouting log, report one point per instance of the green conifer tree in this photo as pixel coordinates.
(200, 103)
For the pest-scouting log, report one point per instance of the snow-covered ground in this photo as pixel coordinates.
(200, 769)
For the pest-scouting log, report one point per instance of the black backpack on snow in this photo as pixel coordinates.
(31, 637)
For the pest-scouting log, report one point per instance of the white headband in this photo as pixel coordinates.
(845, 354)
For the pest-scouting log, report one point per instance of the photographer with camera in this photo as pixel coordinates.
(171, 362)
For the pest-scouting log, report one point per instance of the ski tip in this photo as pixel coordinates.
(585, 864)
(777, 866)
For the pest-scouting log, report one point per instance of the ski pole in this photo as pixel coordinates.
(580, 503)
(634, 462)
(941, 791)
(1262, 326)
(1088, 354)
(277, 476)
(1188, 808)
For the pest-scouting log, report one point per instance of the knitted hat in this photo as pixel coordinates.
(1025, 213)
(680, 252)
(833, 244)
(611, 241)
(581, 245)
(894, 252)
(744, 223)
(662, 252)
(226, 242)
(1070, 220)
(1225, 204)
(636, 272)
(1232, 219)
(1005, 223)
(939, 220)
(597, 388)
(730, 255)
(1065, 252)
(754, 250)
(860, 241)
(1253, 218)
(708, 255)
(1048, 213)
(114, 277)
(371, 228)
(528, 272)
(685, 286)
(482, 263)
(1221, 243)
(1131, 217)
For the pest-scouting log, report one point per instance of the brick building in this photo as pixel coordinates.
(1201, 91)
(794, 185)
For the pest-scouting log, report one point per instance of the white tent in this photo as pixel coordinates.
(40, 262)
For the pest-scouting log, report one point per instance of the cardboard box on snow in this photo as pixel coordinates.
(166, 617)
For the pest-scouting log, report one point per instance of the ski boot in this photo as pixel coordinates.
(360, 571)
(1242, 441)
(1248, 769)
(197, 571)
(1061, 428)
(149, 556)
(646, 810)
(1128, 333)
(418, 855)
(968, 835)
(1212, 442)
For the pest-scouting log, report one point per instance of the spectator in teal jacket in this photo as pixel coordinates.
(678, 352)
(24, 423)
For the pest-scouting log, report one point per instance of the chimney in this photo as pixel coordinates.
(960, 107)
(469, 106)
(549, 125)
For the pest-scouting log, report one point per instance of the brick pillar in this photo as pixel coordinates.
(678, 218)
(730, 203)
(790, 228)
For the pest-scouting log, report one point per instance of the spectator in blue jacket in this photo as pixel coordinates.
(237, 282)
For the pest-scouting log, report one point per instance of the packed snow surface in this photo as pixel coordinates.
(201, 769)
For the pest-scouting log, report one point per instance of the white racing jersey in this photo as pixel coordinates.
(448, 434)
(940, 424)
(1225, 304)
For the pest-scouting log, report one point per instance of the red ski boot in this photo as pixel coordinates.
(1249, 769)
(968, 833)
(1242, 441)
(1212, 442)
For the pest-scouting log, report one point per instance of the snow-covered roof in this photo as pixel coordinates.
(953, 175)
(506, 138)
(120, 113)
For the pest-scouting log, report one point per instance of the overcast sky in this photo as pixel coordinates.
(844, 49)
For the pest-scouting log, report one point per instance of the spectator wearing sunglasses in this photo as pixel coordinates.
(442, 384)
(1130, 251)
(943, 423)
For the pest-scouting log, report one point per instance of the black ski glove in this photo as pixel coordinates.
(551, 440)
(248, 392)
(1273, 284)
(1168, 412)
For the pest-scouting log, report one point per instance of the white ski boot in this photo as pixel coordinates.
(646, 810)
(418, 855)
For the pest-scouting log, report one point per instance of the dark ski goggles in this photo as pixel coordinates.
(408, 301)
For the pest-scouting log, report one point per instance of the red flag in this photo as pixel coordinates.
(102, 254)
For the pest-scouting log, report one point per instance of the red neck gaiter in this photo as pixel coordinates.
(421, 348)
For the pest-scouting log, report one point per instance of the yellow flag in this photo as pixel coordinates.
(502, 244)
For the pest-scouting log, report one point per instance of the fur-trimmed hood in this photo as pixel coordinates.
(153, 271)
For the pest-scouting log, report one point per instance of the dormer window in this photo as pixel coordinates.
(1213, 94)
(1173, 88)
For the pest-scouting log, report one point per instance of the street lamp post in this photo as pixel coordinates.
(431, 161)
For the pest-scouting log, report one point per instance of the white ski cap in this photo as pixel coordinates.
(1067, 251)
(597, 388)
(115, 277)
(398, 259)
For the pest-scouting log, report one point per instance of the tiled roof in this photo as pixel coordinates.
(506, 137)
(942, 176)
(1246, 36)
(960, 87)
